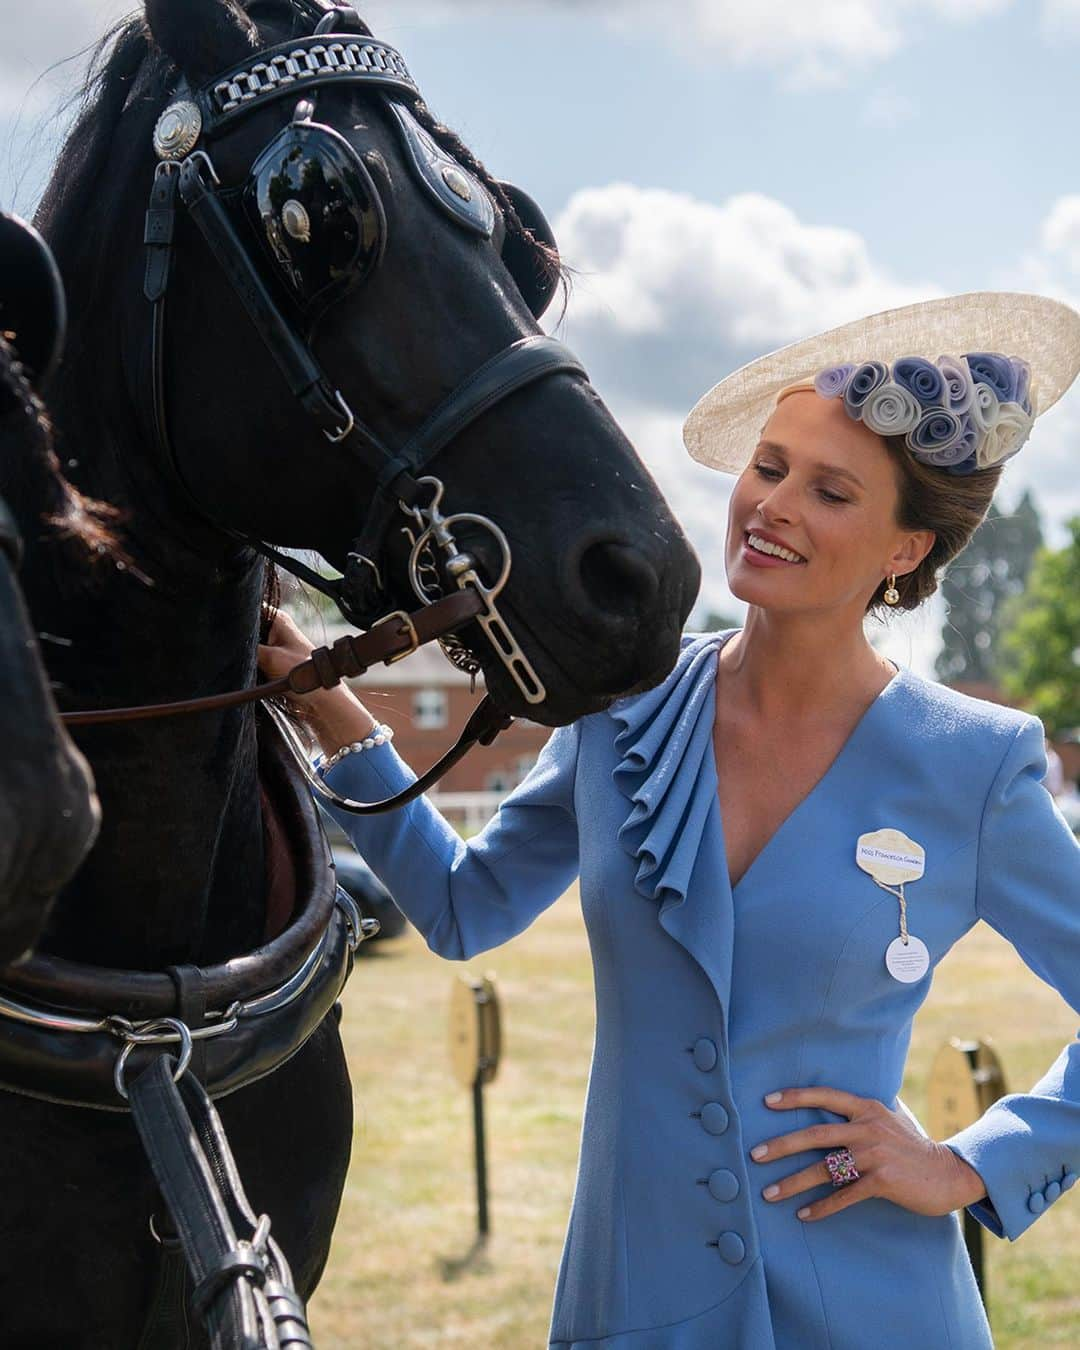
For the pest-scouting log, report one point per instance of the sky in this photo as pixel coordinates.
(725, 178)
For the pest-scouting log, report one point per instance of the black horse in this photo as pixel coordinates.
(187, 869)
(48, 809)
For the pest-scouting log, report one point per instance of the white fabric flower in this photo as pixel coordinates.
(1011, 430)
(891, 410)
(985, 409)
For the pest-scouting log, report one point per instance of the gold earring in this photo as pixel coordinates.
(892, 595)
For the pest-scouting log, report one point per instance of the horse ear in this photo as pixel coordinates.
(202, 36)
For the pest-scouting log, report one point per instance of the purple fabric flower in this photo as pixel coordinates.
(869, 376)
(965, 466)
(939, 438)
(832, 382)
(995, 370)
(959, 386)
(960, 414)
(964, 448)
(921, 378)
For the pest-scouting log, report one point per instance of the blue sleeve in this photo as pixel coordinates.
(467, 897)
(1026, 1147)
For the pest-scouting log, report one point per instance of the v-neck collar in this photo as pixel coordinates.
(857, 732)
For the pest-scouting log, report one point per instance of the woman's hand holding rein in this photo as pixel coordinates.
(336, 716)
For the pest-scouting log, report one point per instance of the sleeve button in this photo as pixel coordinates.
(1036, 1202)
(1052, 1192)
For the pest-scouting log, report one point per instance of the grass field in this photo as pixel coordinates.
(399, 1275)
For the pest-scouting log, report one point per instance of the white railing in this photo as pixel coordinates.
(468, 811)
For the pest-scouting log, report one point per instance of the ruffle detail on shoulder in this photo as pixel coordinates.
(665, 741)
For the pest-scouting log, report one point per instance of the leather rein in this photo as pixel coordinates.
(390, 640)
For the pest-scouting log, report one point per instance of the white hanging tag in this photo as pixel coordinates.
(909, 963)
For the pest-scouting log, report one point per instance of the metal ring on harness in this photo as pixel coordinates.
(150, 1033)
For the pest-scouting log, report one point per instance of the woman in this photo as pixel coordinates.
(747, 1177)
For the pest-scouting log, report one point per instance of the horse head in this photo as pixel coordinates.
(327, 325)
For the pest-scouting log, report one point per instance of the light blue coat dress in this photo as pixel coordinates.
(708, 998)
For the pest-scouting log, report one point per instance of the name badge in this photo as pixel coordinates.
(893, 860)
(890, 857)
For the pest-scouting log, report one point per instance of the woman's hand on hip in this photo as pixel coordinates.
(894, 1160)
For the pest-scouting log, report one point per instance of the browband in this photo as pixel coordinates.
(305, 63)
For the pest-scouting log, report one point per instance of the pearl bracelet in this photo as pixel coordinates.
(380, 735)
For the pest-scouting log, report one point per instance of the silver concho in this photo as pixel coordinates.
(458, 184)
(178, 130)
(296, 220)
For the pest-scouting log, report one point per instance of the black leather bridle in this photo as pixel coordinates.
(269, 286)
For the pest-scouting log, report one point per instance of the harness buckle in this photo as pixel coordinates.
(405, 620)
(336, 437)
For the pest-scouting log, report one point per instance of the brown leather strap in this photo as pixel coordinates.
(392, 638)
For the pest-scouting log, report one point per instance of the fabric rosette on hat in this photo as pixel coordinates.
(944, 416)
(1008, 357)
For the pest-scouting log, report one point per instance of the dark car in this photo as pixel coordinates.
(354, 875)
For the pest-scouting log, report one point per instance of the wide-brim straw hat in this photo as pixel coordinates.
(724, 427)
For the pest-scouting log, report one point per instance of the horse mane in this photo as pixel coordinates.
(122, 61)
(76, 517)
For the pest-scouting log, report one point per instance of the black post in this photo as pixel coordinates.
(973, 1240)
(973, 1230)
(481, 1157)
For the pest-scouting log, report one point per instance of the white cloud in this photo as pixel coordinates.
(810, 43)
(673, 293)
(1049, 466)
(1061, 17)
(1060, 235)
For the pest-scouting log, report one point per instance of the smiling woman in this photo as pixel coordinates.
(850, 485)
(753, 955)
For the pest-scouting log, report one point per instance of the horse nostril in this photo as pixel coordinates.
(617, 578)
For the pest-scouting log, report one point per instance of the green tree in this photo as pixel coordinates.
(1041, 647)
(978, 586)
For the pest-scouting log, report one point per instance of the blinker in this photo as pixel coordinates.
(314, 205)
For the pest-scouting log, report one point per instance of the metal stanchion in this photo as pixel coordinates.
(475, 1048)
(965, 1079)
